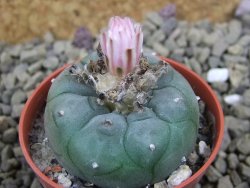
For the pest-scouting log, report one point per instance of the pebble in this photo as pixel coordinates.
(18, 97)
(212, 174)
(154, 18)
(161, 184)
(218, 75)
(210, 39)
(35, 184)
(242, 111)
(238, 73)
(6, 109)
(246, 97)
(16, 110)
(6, 153)
(59, 47)
(248, 160)
(3, 123)
(17, 151)
(221, 165)
(161, 49)
(236, 49)
(235, 177)
(35, 67)
(194, 35)
(51, 63)
(36, 78)
(235, 30)
(233, 160)
(225, 182)
(237, 127)
(219, 47)
(243, 185)
(64, 181)
(9, 81)
(29, 56)
(178, 176)
(244, 170)
(214, 62)
(243, 144)
(203, 55)
(169, 25)
(233, 99)
(10, 135)
(48, 38)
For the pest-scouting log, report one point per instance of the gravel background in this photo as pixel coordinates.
(209, 49)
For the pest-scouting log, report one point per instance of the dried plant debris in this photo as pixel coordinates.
(126, 94)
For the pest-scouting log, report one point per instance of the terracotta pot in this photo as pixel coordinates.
(37, 100)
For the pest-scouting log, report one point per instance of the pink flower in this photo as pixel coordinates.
(122, 45)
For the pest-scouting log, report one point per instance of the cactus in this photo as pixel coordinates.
(121, 129)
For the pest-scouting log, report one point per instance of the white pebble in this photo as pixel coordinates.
(204, 149)
(233, 99)
(178, 176)
(52, 80)
(61, 113)
(64, 181)
(218, 75)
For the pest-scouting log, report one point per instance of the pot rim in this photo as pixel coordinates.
(190, 180)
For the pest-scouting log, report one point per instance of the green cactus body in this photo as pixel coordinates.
(115, 150)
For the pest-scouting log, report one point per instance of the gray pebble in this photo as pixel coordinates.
(235, 177)
(235, 30)
(237, 74)
(16, 50)
(35, 184)
(195, 65)
(236, 127)
(59, 47)
(3, 123)
(221, 165)
(155, 18)
(209, 39)
(226, 140)
(157, 36)
(234, 59)
(220, 86)
(194, 36)
(18, 97)
(242, 111)
(16, 110)
(6, 153)
(36, 78)
(203, 55)
(243, 144)
(171, 44)
(17, 151)
(9, 81)
(29, 56)
(48, 38)
(244, 170)
(248, 160)
(243, 185)
(148, 25)
(225, 182)
(215, 62)
(161, 49)
(5, 62)
(10, 135)
(51, 63)
(181, 41)
(246, 97)
(212, 174)
(6, 109)
(1, 146)
(169, 25)
(236, 49)
(233, 160)
(34, 67)
(219, 47)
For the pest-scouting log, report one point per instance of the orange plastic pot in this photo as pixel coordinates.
(37, 101)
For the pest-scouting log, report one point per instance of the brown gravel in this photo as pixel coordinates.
(24, 19)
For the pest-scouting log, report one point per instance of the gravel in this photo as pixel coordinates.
(202, 46)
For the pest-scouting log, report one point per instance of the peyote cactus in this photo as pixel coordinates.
(121, 118)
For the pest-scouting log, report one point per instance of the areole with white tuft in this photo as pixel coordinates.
(152, 147)
(95, 165)
(61, 113)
